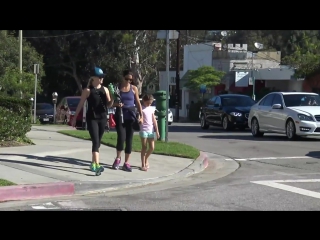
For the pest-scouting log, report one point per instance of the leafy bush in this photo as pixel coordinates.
(15, 119)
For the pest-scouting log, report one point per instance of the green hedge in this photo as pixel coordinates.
(15, 119)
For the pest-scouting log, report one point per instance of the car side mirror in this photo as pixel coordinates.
(276, 106)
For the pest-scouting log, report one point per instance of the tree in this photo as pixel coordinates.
(11, 86)
(305, 58)
(144, 54)
(9, 63)
(73, 53)
(205, 75)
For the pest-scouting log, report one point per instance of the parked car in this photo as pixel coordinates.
(170, 114)
(66, 110)
(227, 110)
(44, 112)
(291, 113)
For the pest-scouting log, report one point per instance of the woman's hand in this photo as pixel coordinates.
(141, 120)
(120, 105)
(74, 122)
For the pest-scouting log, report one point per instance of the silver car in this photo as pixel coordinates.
(291, 113)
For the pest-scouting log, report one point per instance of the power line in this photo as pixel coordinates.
(63, 35)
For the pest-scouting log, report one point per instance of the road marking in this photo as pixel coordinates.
(77, 204)
(277, 184)
(44, 206)
(268, 158)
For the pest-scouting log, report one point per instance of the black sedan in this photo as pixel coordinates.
(44, 112)
(228, 110)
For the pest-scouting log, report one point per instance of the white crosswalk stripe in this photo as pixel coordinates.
(67, 205)
(269, 158)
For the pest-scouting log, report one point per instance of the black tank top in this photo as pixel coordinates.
(96, 100)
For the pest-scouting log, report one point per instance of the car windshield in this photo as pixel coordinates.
(295, 100)
(44, 107)
(73, 102)
(237, 101)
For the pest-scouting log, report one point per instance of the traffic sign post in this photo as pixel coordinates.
(203, 90)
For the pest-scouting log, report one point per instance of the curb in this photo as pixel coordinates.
(47, 190)
(197, 166)
(36, 191)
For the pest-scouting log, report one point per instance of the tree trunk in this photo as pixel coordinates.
(137, 76)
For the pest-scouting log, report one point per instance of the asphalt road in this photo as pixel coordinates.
(273, 174)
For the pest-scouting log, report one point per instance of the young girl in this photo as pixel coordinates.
(148, 129)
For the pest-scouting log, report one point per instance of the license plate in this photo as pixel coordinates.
(46, 119)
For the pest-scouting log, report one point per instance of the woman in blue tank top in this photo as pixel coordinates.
(129, 99)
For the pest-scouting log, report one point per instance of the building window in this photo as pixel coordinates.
(172, 80)
(172, 100)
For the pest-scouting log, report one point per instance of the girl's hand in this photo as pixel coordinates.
(120, 105)
(158, 135)
(141, 120)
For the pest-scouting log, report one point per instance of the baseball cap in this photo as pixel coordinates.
(97, 72)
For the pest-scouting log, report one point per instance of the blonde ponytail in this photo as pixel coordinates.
(90, 82)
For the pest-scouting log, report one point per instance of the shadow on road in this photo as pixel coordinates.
(313, 154)
(262, 139)
(198, 129)
(55, 159)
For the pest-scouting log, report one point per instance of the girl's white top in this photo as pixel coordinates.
(147, 125)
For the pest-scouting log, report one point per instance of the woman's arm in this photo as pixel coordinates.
(136, 95)
(110, 100)
(84, 96)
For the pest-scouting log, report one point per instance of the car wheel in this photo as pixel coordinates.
(255, 128)
(291, 130)
(203, 122)
(226, 124)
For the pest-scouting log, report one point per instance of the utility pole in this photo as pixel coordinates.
(178, 78)
(20, 56)
(168, 78)
(187, 35)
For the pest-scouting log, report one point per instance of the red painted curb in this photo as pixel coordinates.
(35, 191)
(204, 160)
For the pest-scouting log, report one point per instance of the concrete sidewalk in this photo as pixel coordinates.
(62, 163)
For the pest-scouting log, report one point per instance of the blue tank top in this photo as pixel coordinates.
(127, 98)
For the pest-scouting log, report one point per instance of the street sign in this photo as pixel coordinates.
(250, 81)
(162, 34)
(203, 88)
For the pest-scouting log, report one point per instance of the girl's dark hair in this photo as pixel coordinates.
(126, 72)
(147, 97)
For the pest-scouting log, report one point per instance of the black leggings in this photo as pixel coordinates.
(96, 129)
(125, 134)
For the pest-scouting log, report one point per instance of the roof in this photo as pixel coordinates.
(233, 95)
(274, 74)
(288, 93)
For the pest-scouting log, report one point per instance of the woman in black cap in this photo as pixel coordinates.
(98, 98)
